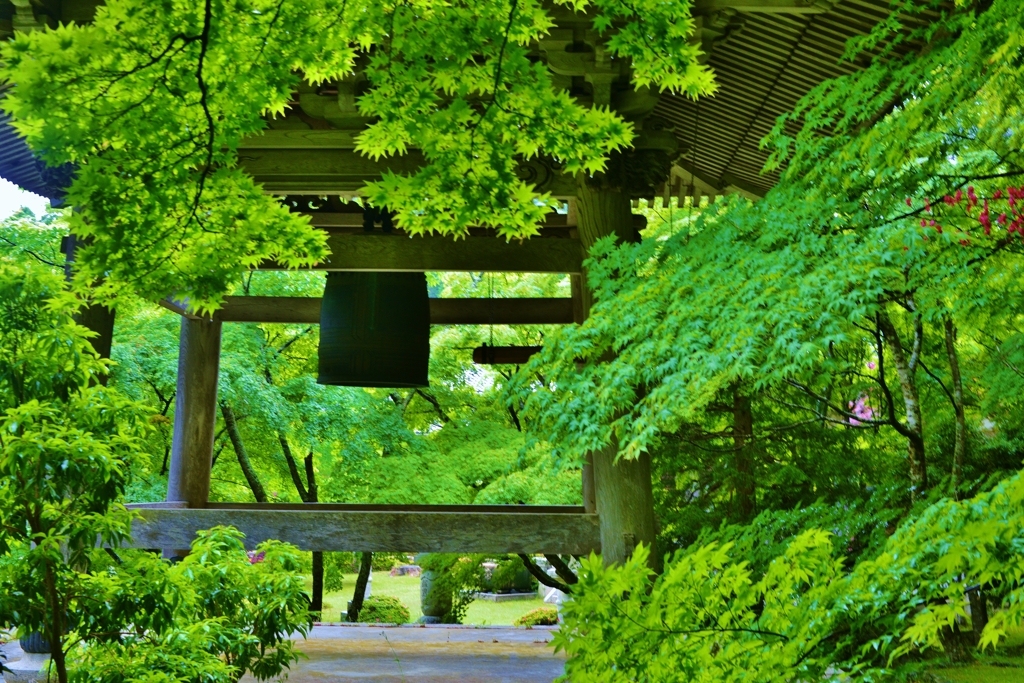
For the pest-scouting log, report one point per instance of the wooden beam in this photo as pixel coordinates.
(395, 253)
(518, 531)
(301, 139)
(366, 507)
(547, 311)
(765, 6)
(306, 310)
(319, 171)
(323, 162)
(179, 307)
(270, 309)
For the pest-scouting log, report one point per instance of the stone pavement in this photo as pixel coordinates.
(21, 666)
(432, 654)
(376, 654)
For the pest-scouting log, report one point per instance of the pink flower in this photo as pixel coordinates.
(871, 365)
(861, 411)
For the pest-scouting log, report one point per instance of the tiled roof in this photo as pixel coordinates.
(19, 166)
(763, 65)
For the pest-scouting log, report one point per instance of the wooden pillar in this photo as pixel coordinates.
(99, 319)
(195, 412)
(623, 493)
(579, 314)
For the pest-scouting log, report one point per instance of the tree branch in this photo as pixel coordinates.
(562, 569)
(243, 458)
(543, 578)
(437, 406)
(293, 468)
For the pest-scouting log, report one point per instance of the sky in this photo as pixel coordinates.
(13, 198)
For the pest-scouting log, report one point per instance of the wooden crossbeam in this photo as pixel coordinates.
(352, 221)
(511, 529)
(306, 310)
(304, 162)
(315, 170)
(397, 253)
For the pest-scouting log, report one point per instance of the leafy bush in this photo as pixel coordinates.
(542, 616)
(333, 575)
(805, 614)
(456, 579)
(540, 484)
(384, 609)
(510, 575)
(217, 609)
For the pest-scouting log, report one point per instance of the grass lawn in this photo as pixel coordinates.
(1004, 666)
(981, 673)
(407, 589)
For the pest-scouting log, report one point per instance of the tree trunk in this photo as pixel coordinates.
(293, 469)
(243, 458)
(308, 493)
(313, 496)
(312, 490)
(979, 611)
(316, 605)
(365, 562)
(960, 440)
(56, 634)
(742, 435)
(905, 370)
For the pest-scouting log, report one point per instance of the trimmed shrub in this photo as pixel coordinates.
(542, 616)
(384, 609)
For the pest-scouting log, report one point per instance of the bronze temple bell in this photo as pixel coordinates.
(375, 328)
